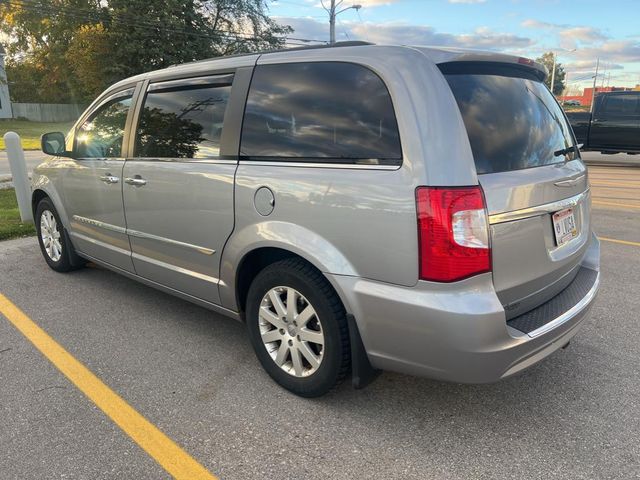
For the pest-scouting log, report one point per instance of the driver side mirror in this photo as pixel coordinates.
(54, 144)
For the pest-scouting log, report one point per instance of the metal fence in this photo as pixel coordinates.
(47, 112)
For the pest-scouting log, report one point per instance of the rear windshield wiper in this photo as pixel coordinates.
(564, 151)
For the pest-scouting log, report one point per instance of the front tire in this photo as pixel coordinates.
(55, 245)
(298, 328)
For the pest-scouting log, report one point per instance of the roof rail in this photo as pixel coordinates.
(351, 43)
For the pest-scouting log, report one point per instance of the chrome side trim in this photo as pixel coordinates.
(347, 166)
(539, 209)
(135, 233)
(105, 245)
(149, 236)
(569, 314)
(168, 266)
(97, 223)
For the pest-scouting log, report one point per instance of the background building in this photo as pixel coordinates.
(5, 101)
(587, 94)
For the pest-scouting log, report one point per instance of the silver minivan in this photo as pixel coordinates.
(360, 207)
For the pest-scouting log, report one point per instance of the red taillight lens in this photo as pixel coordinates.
(452, 233)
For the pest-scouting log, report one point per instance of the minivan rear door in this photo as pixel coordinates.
(534, 182)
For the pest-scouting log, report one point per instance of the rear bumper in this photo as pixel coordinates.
(458, 332)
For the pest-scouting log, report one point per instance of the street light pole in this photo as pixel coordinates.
(333, 14)
(553, 72)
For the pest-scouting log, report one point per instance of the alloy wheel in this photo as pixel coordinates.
(50, 235)
(291, 331)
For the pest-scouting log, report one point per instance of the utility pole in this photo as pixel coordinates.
(333, 13)
(595, 78)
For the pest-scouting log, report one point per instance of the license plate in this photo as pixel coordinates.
(564, 226)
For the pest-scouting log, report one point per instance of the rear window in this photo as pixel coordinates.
(324, 111)
(513, 122)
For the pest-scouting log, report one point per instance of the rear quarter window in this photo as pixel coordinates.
(322, 111)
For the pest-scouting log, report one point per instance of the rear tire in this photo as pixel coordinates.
(298, 328)
(53, 238)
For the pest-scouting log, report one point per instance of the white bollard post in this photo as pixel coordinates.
(19, 173)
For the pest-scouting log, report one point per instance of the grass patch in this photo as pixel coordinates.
(30, 132)
(10, 224)
(577, 108)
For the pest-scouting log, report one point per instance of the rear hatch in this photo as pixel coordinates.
(535, 184)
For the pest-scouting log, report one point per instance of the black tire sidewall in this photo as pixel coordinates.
(64, 264)
(329, 372)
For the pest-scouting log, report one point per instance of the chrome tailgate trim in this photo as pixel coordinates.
(538, 209)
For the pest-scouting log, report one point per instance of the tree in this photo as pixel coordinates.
(76, 48)
(559, 82)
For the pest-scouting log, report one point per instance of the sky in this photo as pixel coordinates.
(578, 31)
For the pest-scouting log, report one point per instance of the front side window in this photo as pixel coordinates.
(336, 112)
(182, 122)
(101, 135)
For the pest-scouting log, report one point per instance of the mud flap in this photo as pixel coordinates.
(362, 372)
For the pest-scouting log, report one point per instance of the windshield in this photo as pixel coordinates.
(513, 123)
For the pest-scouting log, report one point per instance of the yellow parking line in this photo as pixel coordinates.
(623, 242)
(625, 205)
(161, 448)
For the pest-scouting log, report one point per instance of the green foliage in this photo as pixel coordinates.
(30, 132)
(180, 136)
(10, 224)
(559, 82)
(70, 50)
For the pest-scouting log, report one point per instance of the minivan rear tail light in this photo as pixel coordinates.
(453, 233)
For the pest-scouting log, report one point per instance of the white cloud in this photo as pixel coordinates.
(616, 51)
(466, 1)
(589, 65)
(570, 38)
(406, 34)
(532, 23)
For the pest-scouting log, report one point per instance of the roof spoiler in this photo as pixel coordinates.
(525, 68)
(446, 55)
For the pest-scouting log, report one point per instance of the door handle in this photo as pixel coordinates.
(136, 181)
(109, 179)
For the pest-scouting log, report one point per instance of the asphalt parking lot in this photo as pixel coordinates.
(192, 374)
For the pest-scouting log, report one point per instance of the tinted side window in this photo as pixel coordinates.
(621, 104)
(182, 122)
(101, 135)
(338, 112)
